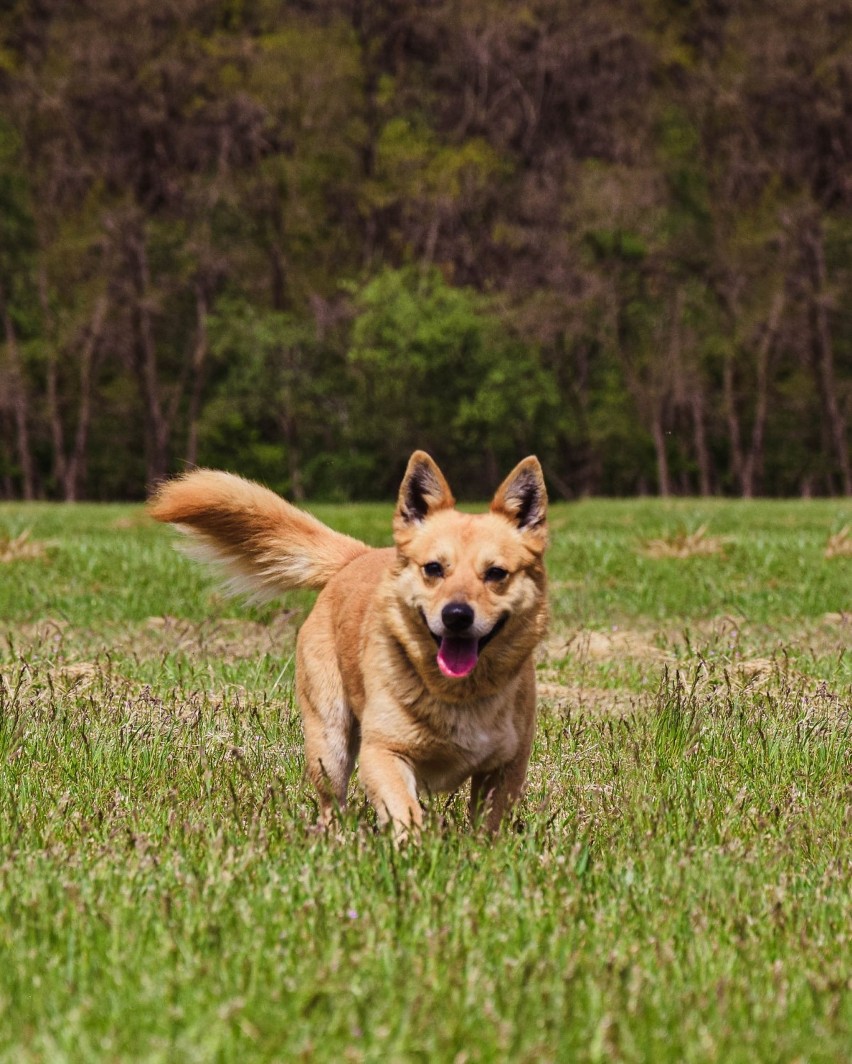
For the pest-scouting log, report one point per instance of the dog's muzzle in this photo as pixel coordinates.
(457, 653)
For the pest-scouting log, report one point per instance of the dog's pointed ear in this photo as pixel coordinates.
(423, 491)
(522, 498)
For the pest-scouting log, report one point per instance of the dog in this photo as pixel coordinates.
(421, 655)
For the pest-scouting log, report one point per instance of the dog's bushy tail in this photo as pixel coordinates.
(263, 544)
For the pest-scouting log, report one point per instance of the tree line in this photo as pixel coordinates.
(299, 240)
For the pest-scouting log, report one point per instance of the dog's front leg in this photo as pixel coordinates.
(391, 787)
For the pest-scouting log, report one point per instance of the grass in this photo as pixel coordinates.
(676, 886)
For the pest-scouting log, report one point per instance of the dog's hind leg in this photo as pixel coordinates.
(332, 733)
(492, 794)
(332, 739)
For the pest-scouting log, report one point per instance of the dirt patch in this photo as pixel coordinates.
(79, 675)
(23, 638)
(726, 626)
(756, 667)
(232, 639)
(739, 640)
(829, 636)
(593, 645)
(756, 672)
(579, 698)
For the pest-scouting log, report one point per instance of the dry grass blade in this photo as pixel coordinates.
(840, 544)
(685, 544)
(20, 547)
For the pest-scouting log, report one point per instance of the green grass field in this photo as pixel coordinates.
(677, 885)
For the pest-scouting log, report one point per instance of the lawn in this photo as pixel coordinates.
(676, 885)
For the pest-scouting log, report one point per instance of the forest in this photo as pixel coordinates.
(298, 240)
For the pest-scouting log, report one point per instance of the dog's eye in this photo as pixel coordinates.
(494, 574)
(433, 569)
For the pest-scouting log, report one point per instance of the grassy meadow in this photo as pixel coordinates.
(676, 886)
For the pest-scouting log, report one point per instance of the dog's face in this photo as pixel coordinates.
(472, 581)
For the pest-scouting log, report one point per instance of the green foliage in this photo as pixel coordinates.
(689, 217)
(17, 232)
(278, 386)
(418, 173)
(434, 369)
(616, 237)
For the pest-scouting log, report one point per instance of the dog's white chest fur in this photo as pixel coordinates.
(477, 740)
(481, 742)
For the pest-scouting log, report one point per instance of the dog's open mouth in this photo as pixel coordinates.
(458, 655)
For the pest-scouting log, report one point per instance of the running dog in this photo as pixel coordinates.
(421, 655)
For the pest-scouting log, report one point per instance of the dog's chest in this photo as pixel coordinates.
(481, 740)
(470, 742)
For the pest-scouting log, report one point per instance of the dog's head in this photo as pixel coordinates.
(472, 581)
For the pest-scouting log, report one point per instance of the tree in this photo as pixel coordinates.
(301, 239)
(433, 369)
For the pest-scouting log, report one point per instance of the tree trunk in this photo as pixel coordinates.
(294, 466)
(650, 395)
(664, 484)
(76, 464)
(69, 467)
(371, 114)
(278, 272)
(702, 452)
(823, 362)
(734, 434)
(54, 413)
(199, 356)
(57, 431)
(156, 423)
(19, 402)
(686, 395)
(752, 467)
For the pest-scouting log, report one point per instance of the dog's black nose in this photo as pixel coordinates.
(457, 616)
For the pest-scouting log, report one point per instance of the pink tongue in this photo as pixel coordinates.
(457, 657)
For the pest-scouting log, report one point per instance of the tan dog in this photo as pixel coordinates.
(420, 655)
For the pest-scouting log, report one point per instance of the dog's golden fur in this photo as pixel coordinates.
(419, 655)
